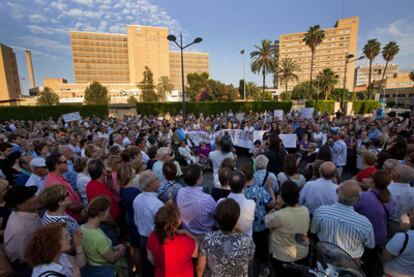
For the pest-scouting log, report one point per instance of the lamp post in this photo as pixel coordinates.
(174, 39)
(348, 60)
(244, 74)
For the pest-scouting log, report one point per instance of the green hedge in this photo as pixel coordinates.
(211, 107)
(44, 112)
(323, 105)
(365, 106)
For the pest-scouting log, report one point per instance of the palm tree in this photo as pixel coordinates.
(327, 79)
(286, 71)
(371, 49)
(262, 59)
(313, 37)
(389, 51)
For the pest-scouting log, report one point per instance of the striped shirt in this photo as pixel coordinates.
(71, 224)
(341, 225)
(197, 210)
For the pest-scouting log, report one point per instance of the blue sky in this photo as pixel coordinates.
(226, 26)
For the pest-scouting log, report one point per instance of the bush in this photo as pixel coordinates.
(323, 105)
(44, 112)
(365, 106)
(211, 107)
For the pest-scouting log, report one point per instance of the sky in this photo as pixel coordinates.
(226, 26)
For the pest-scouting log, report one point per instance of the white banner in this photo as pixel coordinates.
(307, 113)
(198, 136)
(288, 140)
(69, 117)
(278, 114)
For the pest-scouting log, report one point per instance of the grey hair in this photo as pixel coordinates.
(405, 173)
(162, 151)
(348, 200)
(145, 180)
(261, 162)
(389, 164)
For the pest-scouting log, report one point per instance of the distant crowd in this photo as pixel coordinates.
(138, 197)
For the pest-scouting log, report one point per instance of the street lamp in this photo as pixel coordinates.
(244, 75)
(348, 60)
(174, 39)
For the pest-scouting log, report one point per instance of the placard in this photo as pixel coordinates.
(288, 140)
(69, 117)
(307, 113)
(278, 114)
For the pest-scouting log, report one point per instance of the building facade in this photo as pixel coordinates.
(122, 58)
(362, 73)
(9, 74)
(193, 63)
(339, 41)
(398, 89)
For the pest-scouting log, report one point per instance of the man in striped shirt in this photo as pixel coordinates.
(341, 225)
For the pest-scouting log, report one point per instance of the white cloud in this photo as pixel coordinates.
(59, 5)
(83, 13)
(46, 44)
(17, 10)
(37, 18)
(84, 2)
(46, 30)
(40, 2)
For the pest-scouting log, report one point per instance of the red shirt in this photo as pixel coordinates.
(173, 257)
(366, 173)
(53, 179)
(95, 188)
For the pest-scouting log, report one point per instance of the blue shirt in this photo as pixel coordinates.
(168, 187)
(374, 134)
(341, 225)
(259, 176)
(22, 178)
(128, 195)
(262, 198)
(317, 193)
(402, 264)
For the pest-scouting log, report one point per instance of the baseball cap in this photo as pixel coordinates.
(18, 194)
(38, 162)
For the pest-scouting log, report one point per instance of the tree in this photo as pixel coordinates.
(47, 97)
(313, 37)
(371, 49)
(196, 82)
(287, 69)
(132, 100)
(147, 87)
(338, 93)
(96, 93)
(412, 75)
(241, 89)
(389, 51)
(164, 87)
(301, 90)
(327, 79)
(262, 59)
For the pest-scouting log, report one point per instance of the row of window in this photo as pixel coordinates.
(100, 49)
(100, 55)
(101, 61)
(98, 37)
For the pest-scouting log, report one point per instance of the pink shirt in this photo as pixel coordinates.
(19, 229)
(53, 179)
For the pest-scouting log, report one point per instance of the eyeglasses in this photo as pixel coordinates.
(63, 162)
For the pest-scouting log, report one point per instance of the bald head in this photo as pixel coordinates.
(349, 192)
(402, 173)
(327, 170)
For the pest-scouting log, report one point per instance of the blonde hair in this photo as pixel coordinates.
(369, 158)
(113, 161)
(125, 174)
(51, 196)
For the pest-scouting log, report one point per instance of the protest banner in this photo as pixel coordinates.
(198, 136)
(288, 140)
(306, 113)
(69, 117)
(278, 114)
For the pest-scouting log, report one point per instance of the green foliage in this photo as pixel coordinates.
(45, 112)
(164, 87)
(338, 93)
(47, 97)
(262, 59)
(147, 87)
(365, 106)
(301, 91)
(241, 89)
(254, 92)
(211, 107)
(363, 95)
(286, 70)
(221, 92)
(327, 79)
(132, 100)
(196, 82)
(371, 49)
(323, 105)
(96, 94)
(389, 51)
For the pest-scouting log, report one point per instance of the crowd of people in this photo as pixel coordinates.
(137, 197)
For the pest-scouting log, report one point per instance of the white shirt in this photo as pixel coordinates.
(62, 266)
(82, 181)
(317, 193)
(157, 169)
(145, 206)
(247, 208)
(217, 158)
(403, 196)
(145, 157)
(339, 153)
(37, 181)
